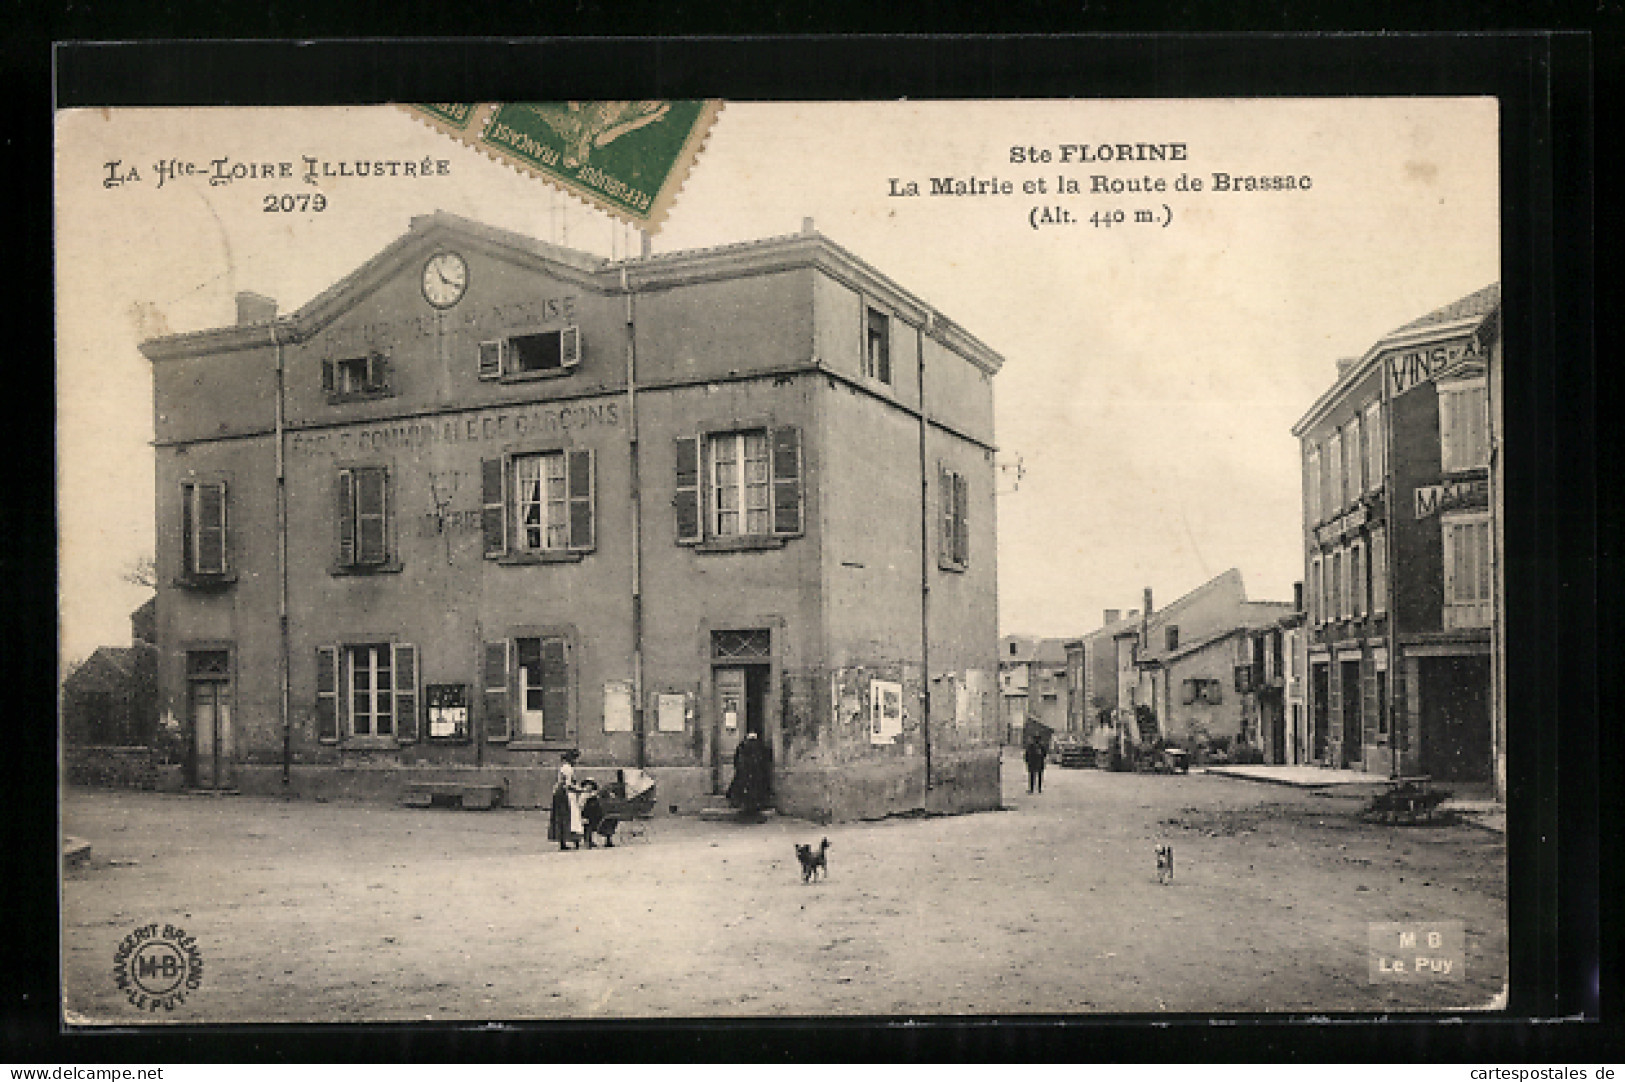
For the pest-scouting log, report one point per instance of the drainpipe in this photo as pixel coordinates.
(1398, 732)
(638, 715)
(282, 562)
(925, 551)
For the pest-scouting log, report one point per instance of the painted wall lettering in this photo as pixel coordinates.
(496, 425)
(1407, 370)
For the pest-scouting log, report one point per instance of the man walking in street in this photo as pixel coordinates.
(1035, 766)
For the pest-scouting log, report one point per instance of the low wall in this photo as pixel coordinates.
(120, 767)
(967, 782)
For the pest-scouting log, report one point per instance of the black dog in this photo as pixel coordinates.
(812, 861)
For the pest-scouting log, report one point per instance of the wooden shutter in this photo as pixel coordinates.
(570, 347)
(1188, 692)
(188, 529)
(686, 497)
(346, 516)
(210, 520)
(578, 481)
(787, 486)
(494, 682)
(491, 359)
(961, 522)
(556, 721)
(406, 692)
(327, 377)
(377, 372)
(371, 516)
(945, 517)
(494, 509)
(327, 693)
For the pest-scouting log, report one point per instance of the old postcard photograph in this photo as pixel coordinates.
(727, 559)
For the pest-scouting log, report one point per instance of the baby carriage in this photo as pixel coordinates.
(630, 796)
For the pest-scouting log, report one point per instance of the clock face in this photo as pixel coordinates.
(445, 279)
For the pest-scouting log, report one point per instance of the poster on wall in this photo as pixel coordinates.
(885, 711)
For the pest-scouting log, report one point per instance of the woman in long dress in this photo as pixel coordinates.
(564, 822)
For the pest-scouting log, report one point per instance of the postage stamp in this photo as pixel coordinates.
(629, 158)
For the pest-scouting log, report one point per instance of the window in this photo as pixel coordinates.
(203, 529)
(1353, 460)
(953, 537)
(538, 504)
(1382, 702)
(1201, 690)
(356, 376)
(1170, 637)
(1334, 476)
(1463, 426)
(877, 345)
(1316, 592)
(1357, 583)
(1374, 450)
(522, 355)
(1379, 572)
(1338, 608)
(1466, 571)
(367, 692)
(1312, 472)
(738, 486)
(532, 673)
(363, 517)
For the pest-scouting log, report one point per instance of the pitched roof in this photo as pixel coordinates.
(1481, 303)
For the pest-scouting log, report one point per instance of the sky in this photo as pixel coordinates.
(1153, 371)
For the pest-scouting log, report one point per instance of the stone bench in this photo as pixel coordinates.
(457, 794)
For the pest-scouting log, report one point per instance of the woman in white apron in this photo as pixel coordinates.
(564, 822)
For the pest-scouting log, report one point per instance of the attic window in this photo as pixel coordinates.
(354, 376)
(1172, 635)
(521, 355)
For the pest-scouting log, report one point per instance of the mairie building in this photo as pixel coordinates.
(487, 499)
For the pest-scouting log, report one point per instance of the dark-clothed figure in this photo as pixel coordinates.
(752, 787)
(1035, 766)
(564, 821)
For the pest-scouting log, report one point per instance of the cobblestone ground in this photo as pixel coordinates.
(319, 912)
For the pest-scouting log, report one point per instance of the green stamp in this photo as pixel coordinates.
(628, 157)
(457, 115)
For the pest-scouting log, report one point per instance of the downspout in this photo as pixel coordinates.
(1397, 677)
(283, 652)
(638, 715)
(925, 551)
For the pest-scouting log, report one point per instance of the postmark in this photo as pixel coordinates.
(157, 966)
(628, 158)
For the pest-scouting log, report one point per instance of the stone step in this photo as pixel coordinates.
(75, 850)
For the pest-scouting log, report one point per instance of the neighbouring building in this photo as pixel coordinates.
(1032, 685)
(487, 499)
(1092, 671)
(1398, 554)
(1270, 676)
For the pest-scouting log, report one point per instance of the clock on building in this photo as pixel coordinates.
(445, 279)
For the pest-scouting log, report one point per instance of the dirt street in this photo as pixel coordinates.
(346, 912)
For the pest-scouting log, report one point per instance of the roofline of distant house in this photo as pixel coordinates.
(667, 270)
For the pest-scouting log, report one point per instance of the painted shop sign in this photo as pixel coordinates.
(1432, 499)
(1342, 524)
(496, 425)
(1412, 368)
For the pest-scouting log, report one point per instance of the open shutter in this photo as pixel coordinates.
(371, 516)
(787, 486)
(377, 372)
(494, 509)
(494, 680)
(406, 693)
(346, 516)
(327, 376)
(687, 494)
(556, 720)
(578, 475)
(327, 693)
(961, 522)
(1187, 693)
(570, 347)
(188, 529)
(945, 517)
(491, 359)
(211, 529)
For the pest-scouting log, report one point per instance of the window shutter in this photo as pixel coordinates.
(787, 487)
(961, 522)
(327, 693)
(406, 692)
(377, 372)
(945, 525)
(188, 529)
(491, 359)
(570, 347)
(494, 509)
(371, 516)
(494, 679)
(211, 529)
(327, 376)
(346, 518)
(578, 476)
(556, 720)
(687, 494)
(1187, 693)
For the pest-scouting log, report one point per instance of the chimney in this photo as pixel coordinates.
(1343, 366)
(1297, 597)
(1134, 614)
(1145, 620)
(807, 226)
(254, 308)
(1112, 616)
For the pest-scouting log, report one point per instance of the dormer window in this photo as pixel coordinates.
(524, 355)
(353, 377)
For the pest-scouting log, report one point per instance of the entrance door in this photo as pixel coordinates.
(1353, 716)
(741, 707)
(1455, 717)
(1319, 709)
(1275, 726)
(211, 722)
